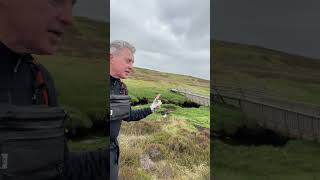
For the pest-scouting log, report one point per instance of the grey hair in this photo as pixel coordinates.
(117, 45)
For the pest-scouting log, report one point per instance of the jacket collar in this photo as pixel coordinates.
(114, 79)
(11, 58)
(5, 51)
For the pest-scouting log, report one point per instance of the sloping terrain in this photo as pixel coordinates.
(243, 150)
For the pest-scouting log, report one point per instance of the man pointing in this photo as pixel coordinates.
(121, 65)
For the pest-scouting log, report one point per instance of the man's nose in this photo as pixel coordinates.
(65, 15)
(130, 67)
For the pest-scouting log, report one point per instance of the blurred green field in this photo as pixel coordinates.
(296, 160)
(79, 70)
(90, 144)
(80, 82)
(277, 74)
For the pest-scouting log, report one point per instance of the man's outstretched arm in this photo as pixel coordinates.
(136, 115)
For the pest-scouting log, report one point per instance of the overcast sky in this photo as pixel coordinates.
(169, 35)
(94, 9)
(287, 25)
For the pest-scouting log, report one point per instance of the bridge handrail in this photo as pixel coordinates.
(262, 98)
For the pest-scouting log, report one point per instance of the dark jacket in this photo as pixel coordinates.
(16, 88)
(117, 87)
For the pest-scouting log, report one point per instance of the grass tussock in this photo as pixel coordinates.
(164, 154)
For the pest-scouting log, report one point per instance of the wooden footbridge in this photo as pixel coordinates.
(289, 118)
(193, 97)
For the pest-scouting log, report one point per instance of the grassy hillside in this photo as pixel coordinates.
(196, 85)
(177, 145)
(86, 38)
(279, 74)
(289, 76)
(172, 147)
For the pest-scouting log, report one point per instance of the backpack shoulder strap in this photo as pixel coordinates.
(123, 89)
(40, 90)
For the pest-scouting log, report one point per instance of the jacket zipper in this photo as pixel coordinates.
(11, 80)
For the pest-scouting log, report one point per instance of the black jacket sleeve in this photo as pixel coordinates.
(136, 115)
(87, 165)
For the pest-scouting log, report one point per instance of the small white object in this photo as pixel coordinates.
(156, 103)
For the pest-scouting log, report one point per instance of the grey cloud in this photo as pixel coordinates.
(286, 25)
(171, 36)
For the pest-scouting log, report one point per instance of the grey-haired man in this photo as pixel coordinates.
(121, 65)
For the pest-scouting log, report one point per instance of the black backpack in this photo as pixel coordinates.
(119, 107)
(31, 142)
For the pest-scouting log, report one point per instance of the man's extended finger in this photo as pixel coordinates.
(158, 96)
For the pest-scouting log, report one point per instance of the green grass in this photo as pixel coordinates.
(80, 82)
(149, 83)
(171, 80)
(298, 159)
(139, 89)
(229, 120)
(86, 38)
(184, 150)
(90, 144)
(197, 116)
(279, 74)
(194, 116)
(81, 87)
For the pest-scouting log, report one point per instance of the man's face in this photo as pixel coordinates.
(37, 25)
(121, 63)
